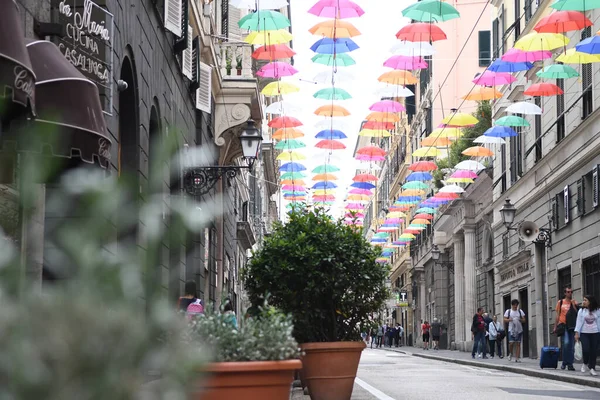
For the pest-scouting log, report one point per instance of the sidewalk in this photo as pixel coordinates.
(527, 367)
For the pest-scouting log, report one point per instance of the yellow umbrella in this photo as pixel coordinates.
(375, 133)
(278, 88)
(398, 77)
(460, 120)
(396, 214)
(478, 151)
(408, 236)
(382, 117)
(436, 141)
(287, 134)
(483, 93)
(460, 180)
(323, 192)
(335, 28)
(324, 177)
(426, 152)
(359, 197)
(291, 156)
(572, 56)
(332, 111)
(452, 133)
(535, 41)
(259, 38)
(412, 192)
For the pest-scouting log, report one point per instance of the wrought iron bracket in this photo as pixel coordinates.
(446, 264)
(199, 181)
(544, 237)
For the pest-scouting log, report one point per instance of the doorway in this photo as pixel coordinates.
(506, 306)
(524, 305)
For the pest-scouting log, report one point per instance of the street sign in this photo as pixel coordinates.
(402, 299)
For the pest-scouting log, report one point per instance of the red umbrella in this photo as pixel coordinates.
(328, 197)
(330, 145)
(377, 125)
(371, 151)
(423, 216)
(421, 32)
(273, 52)
(412, 231)
(446, 195)
(562, 21)
(423, 166)
(285, 122)
(365, 178)
(543, 89)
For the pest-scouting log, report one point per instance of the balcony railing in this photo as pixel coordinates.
(235, 61)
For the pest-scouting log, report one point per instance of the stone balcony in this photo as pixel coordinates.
(236, 61)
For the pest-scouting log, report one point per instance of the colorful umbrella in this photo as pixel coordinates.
(562, 21)
(360, 191)
(394, 91)
(334, 28)
(273, 52)
(516, 55)
(421, 32)
(436, 142)
(431, 10)
(293, 188)
(266, 20)
(325, 168)
(504, 66)
(388, 106)
(427, 152)
(332, 94)
(398, 77)
(572, 56)
(292, 175)
(278, 88)
(289, 144)
(358, 197)
(363, 185)
(470, 165)
(365, 178)
(490, 78)
(512, 120)
(332, 110)
(371, 151)
(334, 46)
(423, 166)
(336, 9)
(541, 41)
(557, 71)
(324, 185)
(378, 125)
(426, 210)
(457, 120)
(423, 216)
(576, 5)
(477, 151)
(415, 185)
(483, 94)
(330, 134)
(330, 145)
(292, 167)
(543, 89)
(338, 60)
(449, 132)
(488, 140)
(263, 4)
(405, 62)
(276, 70)
(333, 123)
(420, 221)
(281, 107)
(419, 176)
(285, 122)
(500, 131)
(523, 107)
(405, 48)
(291, 156)
(460, 180)
(335, 76)
(590, 45)
(287, 134)
(382, 117)
(374, 133)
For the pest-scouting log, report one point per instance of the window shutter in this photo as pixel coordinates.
(580, 196)
(566, 203)
(225, 18)
(173, 16)
(595, 199)
(234, 31)
(186, 59)
(195, 64)
(204, 92)
(554, 207)
(484, 48)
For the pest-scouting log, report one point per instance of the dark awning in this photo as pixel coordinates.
(16, 74)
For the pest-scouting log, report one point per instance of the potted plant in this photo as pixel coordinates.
(228, 59)
(324, 274)
(238, 65)
(256, 361)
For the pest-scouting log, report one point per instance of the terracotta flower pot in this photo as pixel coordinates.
(329, 369)
(251, 380)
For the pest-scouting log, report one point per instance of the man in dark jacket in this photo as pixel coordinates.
(478, 330)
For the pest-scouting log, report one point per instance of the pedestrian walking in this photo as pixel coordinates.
(587, 330)
(373, 336)
(425, 333)
(400, 334)
(564, 327)
(487, 320)
(230, 314)
(495, 335)
(515, 318)
(436, 332)
(478, 331)
(380, 332)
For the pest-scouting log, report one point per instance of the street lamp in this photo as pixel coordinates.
(508, 212)
(435, 254)
(198, 181)
(526, 229)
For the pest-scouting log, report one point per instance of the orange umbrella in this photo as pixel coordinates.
(398, 77)
(358, 197)
(325, 177)
(423, 166)
(543, 89)
(298, 182)
(287, 134)
(377, 125)
(365, 178)
(420, 221)
(478, 151)
(371, 151)
(382, 117)
(483, 93)
(435, 142)
(335, 28)
(332, 110)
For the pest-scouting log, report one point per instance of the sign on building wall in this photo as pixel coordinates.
(401, 299)
(88, 43)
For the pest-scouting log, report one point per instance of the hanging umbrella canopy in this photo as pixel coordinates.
(292, 167)
(380, 133)
(333, 75)
(289, 144)
(562, 21)
(334, 28)
(382, 117)
(511, 120)
(452, 189)
(421, 32)
(448, 132)
(287, 134)
(491, 78)
(264, 20)
(458, 120)
(360, 191)
(431, 10)
(365, 178)
(272, 52)
(324, 185)
(415, 185)
(426, 210)
(420, 221)
(407, 63)
(325, 168)
(459, 180)
(470, 165)
(338, 60)
(423, 216)
(394, 91)
(427, 152)
(263, 4)
(557, 71)
(330, 145)
(371, 151)
(284, 122)
(575, 5)
(488, 140)
(363, 185)
(398, 77)
(589, 45)
(543, 89)
(293, 188)
(523, 107)
(419, 176)
(405, 48)
(292, 182)
(281, 107)
(378, 125)
(331, 134)
(336, 9)
(291, 156)
(323, 192)
(516, 55)
(332, 93)
(534, 41)
(292, 175)
(334, 46)
(483, 94)
(276, 70)
(278, 88)
(355, 206)
(412, 192)
(500, 131)
(423, 166)
(436, 142)
(358, 197)
(332, 110)
(504, 66)
(388, 106)
(572, 56)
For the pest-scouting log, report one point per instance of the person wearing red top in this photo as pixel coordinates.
(425, 327)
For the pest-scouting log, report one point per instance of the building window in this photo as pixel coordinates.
(528, 10)
(586, 81)
(564, 280)
(503, 163)
(560, 208)
(587, 192)
(538, 132)
(496, 35)
(505, 245)
(225, 18)
(517, 19)
(245, 211)
(591, 275)
(516, 156)
(213, 265)
(484, 48)
(560, 109)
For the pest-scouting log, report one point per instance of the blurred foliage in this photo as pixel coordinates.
(322, 272)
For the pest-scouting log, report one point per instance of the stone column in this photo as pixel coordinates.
(470, 275)
(459, 296)
(422, 296)
(540, 318)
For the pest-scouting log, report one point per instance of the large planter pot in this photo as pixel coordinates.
(329, 368)
(252, 380)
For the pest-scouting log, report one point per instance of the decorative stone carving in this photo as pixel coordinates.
(228, 117)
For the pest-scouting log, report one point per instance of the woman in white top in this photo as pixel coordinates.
(494, 329)
(588, 330)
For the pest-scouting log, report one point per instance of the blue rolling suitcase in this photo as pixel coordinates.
(549, 357)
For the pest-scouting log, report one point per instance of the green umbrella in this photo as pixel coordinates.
(325, 168)
(416, 226)
(381, 235)
(511, 120)
(426, 210)
(417, 185)
(292, 175)
(557, 71)
(290, 144)
(332, 94)
(431, 11)
(576, 5)
(340, 60)
(264, 20)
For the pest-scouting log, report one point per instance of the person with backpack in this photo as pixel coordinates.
(189, 298)
(564, 326)
(496, 335)
(515, 317)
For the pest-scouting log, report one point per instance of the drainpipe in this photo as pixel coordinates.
(220, 247)
(539, 296)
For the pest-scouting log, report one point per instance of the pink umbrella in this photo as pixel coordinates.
(464, 173)
(360, 191)
(356, 215)
(366, 157)
(336, 9)
(516, 55)
(405, 62)
(355, 206)
(491, 78)
(389, 106)
(276, 70)
(393, 221)
(294, 188)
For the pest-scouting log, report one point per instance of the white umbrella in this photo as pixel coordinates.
(263, 4)
(523, 107)
(333, 123)
(281, 107)
(365, 165)
(452, 189)
(405, 48)
(489, 140)
(394, 91)
(470, 165)
(340, 76)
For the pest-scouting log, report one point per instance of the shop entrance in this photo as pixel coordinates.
(524, 305)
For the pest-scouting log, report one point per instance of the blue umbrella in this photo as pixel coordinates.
(500, 131)
(331, 134)
(504, 66)
(363, 185)
(331, 46)
(324, 185)
(292, 167)
(590, 45)
(408, 198)
(378, 240)
(419, 176)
